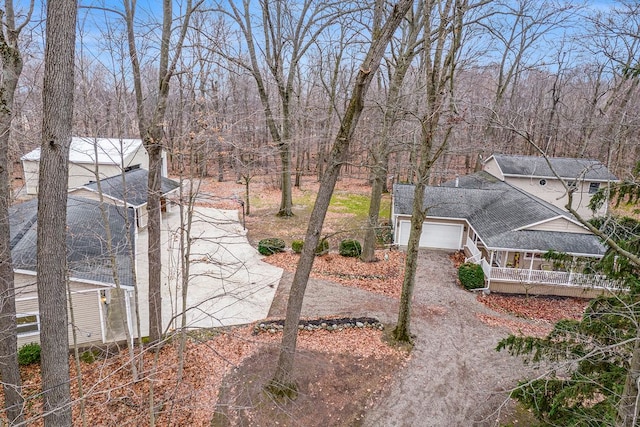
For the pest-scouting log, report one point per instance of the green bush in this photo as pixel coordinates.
(471, 276)
(270, 246)
(297, 245)
(350, 248)
(89, 356)
(29, 353)
(323, 247)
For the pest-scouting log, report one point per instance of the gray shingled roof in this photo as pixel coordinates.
(88, 257)
(135, 193)
(566, 168)
(495, 210)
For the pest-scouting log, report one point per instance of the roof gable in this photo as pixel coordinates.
(111, 151)
(566, 168)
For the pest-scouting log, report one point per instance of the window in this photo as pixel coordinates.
(534, 255)
(572, 184)
(28, 324)
(594, 187)
(542, 182)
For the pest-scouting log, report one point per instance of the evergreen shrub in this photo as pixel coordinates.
(471, 275)
(350, 248)
(270, 246)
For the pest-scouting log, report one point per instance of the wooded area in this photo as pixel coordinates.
(415, 92)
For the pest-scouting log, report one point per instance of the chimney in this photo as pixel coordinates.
(457, 180)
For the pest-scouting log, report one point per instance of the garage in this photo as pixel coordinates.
(434, 235)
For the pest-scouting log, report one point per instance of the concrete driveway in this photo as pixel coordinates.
(228, 284)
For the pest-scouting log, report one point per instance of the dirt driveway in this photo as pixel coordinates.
(454, 376)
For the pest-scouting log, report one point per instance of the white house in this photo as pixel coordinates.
(508, 231)
(110, 155)
(533, 175)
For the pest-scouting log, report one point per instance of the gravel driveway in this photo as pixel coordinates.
(454, 376)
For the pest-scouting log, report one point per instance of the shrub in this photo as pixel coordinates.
(323, 247)
(270, 246)
(350, 248)
(89, 356)
(471, 276)
(297, 245)
(28, 354)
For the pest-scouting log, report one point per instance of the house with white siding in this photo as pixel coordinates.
(108, 156)
(509, 232)
(550, 178)
(102, 272)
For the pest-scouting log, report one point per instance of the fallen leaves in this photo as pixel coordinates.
(546, 308)
(382, 277)
(112, 397)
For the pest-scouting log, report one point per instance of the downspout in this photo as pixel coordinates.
(486, 290)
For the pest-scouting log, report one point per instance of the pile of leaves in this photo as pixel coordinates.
(548, 308)
(384, 276)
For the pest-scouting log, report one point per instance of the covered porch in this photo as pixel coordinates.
(520, 271)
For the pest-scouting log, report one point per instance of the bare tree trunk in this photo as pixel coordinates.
(57, 118)
(440, 57)
(283, 382)
(151, 131)
(380, 151)
(11, 69)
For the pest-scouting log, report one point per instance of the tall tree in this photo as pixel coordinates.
(404, 53)
(443, 22)
(283, 381)
(11, 68)
(288, 30)
(57, 118)
(151, 130)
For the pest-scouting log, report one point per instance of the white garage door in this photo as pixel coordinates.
(434, 235)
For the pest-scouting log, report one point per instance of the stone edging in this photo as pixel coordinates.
(338, 324)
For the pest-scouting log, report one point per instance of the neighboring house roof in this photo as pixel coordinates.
(135, 192)
(88, 257)
(566, 168)
(111, 151)
(497, 212)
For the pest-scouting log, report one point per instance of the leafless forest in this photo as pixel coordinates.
(245, 88)
(277, 90)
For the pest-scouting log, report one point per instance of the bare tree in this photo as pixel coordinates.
(57, 118)
(288, 31)
(283, 382)
(407, 48)
(152, 132)
(11, 69)
(443, 26)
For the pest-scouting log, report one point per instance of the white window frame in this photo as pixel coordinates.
(36, 323)
(532, 255)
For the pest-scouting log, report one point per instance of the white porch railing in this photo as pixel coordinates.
(543, 277)
(561, 278)
(476, 255)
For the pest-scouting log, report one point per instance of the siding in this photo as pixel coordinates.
(86, 309)
(31, 170)
(554, 192)
(559, 224)
(492, 167)
(563, 291)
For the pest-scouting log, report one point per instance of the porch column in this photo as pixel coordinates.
(533, 257)
(573, 263)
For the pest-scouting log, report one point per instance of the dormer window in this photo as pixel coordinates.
(594, 187)
(542, 182)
